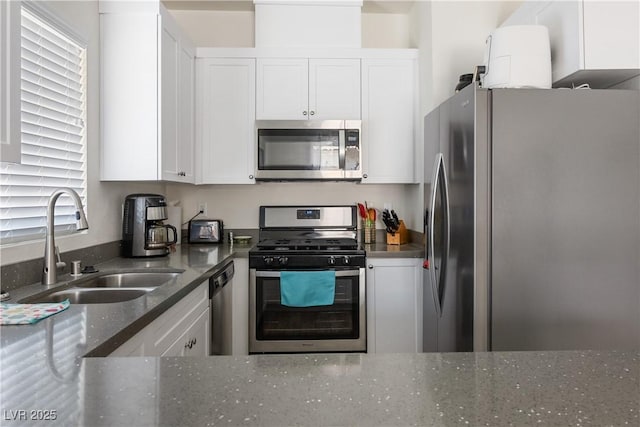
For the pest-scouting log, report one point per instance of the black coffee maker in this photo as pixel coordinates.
(143, 232)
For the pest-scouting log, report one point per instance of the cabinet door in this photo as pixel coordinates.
(177, 103)
(225, 121)
(334, 89)
(170, 54)
(10, 138)
(186, 114)
(388, 120)
(129, 97)
(195, 340)
(282, 89)
(134, 347)
(176, 321)
(394, 306)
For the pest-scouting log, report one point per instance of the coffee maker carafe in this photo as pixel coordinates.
(143, 232)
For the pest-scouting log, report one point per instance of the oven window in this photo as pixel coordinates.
(278, 322)
(298, 149)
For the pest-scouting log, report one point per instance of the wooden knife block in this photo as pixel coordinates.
(400, 237)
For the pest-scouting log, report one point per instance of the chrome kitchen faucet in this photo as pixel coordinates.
(50, 270)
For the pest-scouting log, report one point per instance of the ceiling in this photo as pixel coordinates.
(369, 6)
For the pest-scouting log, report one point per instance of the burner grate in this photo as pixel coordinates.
(308, 244)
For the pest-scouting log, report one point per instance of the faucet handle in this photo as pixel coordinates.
(59, 264)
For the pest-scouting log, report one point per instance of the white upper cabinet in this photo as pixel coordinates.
(308, 89)
(147, 96)
(10, 138)
(178, 104)
(225, 120)
(334, 89)
(389, 120)
(594, 42)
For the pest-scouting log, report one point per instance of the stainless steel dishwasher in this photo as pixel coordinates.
(220, 309)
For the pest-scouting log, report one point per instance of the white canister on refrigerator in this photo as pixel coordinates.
(518, 56)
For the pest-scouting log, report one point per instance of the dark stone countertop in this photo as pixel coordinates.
(429, 389)
(107, 326)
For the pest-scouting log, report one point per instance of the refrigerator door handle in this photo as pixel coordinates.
(432, 208)
(447, 238)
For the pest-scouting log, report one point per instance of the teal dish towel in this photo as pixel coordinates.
(307, 288)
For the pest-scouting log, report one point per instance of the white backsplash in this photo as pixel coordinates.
(237, 205)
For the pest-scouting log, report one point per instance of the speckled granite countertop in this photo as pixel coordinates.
(464, 389)
(382, 250)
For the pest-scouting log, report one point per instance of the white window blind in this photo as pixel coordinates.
(53, 111)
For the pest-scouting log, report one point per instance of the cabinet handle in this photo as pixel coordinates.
(312, 113)
(250, 176)
(370, 266)
(304, 113)
(364, 175)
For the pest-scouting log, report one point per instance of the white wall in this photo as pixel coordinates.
(455, 43)
(386, 31)
(211, 28)
(219, 28)
(104, 199)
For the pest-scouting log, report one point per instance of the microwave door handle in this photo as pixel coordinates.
(342, 146)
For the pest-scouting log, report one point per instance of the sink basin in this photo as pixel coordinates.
(129, 279)
(90, 295)
(107, 287)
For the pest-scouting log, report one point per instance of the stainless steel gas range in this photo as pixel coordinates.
(307, 281)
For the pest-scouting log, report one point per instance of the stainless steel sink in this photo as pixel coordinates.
(135, 279)
(90, 295)
(109, 287)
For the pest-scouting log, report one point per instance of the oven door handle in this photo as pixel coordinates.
(339, 273)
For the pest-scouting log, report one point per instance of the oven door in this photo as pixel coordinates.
(275, 328)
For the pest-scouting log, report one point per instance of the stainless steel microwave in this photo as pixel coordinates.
(308, 150)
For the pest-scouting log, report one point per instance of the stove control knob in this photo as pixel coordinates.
(267, 260)
(346, 260)
(331, 260)
(283, 260)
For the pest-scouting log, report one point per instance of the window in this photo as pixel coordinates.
(53, 134)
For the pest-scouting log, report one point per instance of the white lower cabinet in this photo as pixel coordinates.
(195, 340)
(394, 305)
(182, 330)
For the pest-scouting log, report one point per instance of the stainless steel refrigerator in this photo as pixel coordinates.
(533, 220)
